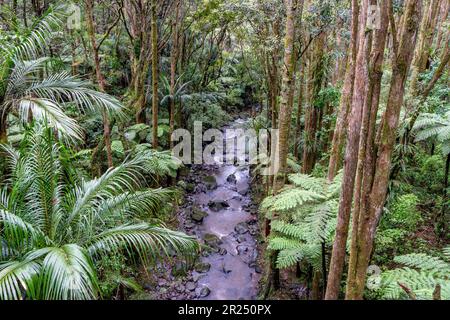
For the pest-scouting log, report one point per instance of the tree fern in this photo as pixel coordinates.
(421, 274)
(434, 126)
(303, 218)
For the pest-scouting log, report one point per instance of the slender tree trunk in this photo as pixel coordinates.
(351, 160)
(424, 44)
(367, 148)
(100, 78)
(299, 114)
(445, 6)
(3, 128)
(316, 75)
(154, 30)
(285, 115)
(173, 70)
(346, 97)
(287, 91)
(377, 197)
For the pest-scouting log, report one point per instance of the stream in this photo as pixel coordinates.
(220, 213)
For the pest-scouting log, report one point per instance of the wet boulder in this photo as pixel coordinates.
(241, 228)
(203, 292)
(218, 205)
(191, 286)
(232, 179)
(212, 240)
(226, 269)
(202, 267)
(198, 215)
(210, 182)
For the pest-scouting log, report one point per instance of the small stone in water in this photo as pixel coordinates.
(241, 228)
(191, 286)
(204, 292)
(202, 267)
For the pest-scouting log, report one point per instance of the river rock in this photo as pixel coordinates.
(218, 205)
(212, 240)
(243, 192)
(190, 286)
(242, 250)
(210, 182)
(202, 267)
(225, 268)
(241, 238)
(180, 288)
(241, 228)
(232, 179)
(190, 187)
(197, 276)
(203, 292)
(198, 215)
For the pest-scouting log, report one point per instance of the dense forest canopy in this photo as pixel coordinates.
(94, 205)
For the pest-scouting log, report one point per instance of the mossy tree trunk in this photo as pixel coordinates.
(346, 97)
(372, 206)
(351, 159)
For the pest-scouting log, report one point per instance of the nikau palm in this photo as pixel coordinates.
(24, 91)
(52, 231)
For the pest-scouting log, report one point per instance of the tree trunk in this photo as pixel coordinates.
(351, 160)
(424, 44)
(100, 78)
(299, 114)
(346, 98)
(173, 70)
(154, 30)
(285, 115)
(287, 90)
(373, 206)
(316, 75)
(367, 148)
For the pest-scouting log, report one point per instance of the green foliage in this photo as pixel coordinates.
(434, 126)
(24, 91)
(421, 274)
(55, 230)
(303, 218)
(205, 107)
(404, 213)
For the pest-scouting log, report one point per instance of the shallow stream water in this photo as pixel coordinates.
(230, 228)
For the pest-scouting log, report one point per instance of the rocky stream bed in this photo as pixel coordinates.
(218, 210)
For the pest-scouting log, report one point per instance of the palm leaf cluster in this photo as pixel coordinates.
(421, 274)
(303, 219)
(53, 230)
(29, 91)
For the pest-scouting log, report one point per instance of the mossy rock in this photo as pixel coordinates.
(198, 215)
(210, 182)
(202, 267)
(212, 240)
